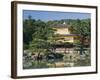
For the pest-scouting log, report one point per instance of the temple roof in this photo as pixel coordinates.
(69, 35)
(62, 26)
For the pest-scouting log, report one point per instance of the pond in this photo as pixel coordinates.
(71, 59)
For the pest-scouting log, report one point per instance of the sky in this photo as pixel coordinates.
(53, 15)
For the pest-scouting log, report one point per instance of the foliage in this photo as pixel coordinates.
(82, 28)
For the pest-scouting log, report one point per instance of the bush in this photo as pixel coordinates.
(25, 46)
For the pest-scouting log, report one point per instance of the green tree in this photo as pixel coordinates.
(28, 30)
(82, 27)
(41, 42)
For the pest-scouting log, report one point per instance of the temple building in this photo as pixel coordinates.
(65, 41)
(64, 34)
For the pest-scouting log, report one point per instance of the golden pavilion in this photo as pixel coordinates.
(64, 34)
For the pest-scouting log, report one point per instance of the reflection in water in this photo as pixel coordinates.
(70, 58)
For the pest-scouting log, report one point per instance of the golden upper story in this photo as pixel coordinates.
(64, 33)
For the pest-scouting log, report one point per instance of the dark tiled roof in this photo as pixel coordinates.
(69, 35)
(60, 26)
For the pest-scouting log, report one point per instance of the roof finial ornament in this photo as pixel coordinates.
(64, 22)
